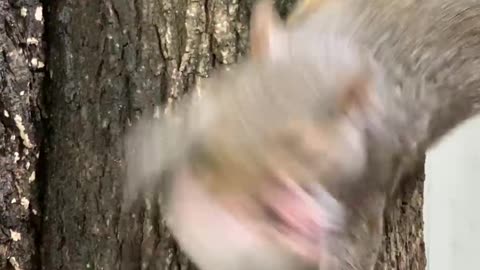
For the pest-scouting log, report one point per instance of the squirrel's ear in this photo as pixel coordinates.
(359, 93)
(267, 32)
(357, 76)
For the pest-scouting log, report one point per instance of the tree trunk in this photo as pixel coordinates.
(110, 61)
(403, 244)
(21, 75)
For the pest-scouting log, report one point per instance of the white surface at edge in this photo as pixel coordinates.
(452, 219)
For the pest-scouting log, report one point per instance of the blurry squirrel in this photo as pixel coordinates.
(288, 160)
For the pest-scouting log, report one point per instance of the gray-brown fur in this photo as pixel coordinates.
(429, 50)
(420, 59)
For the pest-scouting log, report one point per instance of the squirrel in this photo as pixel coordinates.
(289, 159)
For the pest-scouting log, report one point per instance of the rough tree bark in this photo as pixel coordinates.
(403, 244)
(21, 75)
(108, 62)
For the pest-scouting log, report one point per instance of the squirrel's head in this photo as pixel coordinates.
(255, 164)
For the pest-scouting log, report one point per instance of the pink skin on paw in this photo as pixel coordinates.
(302, 224)
(299, 226)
